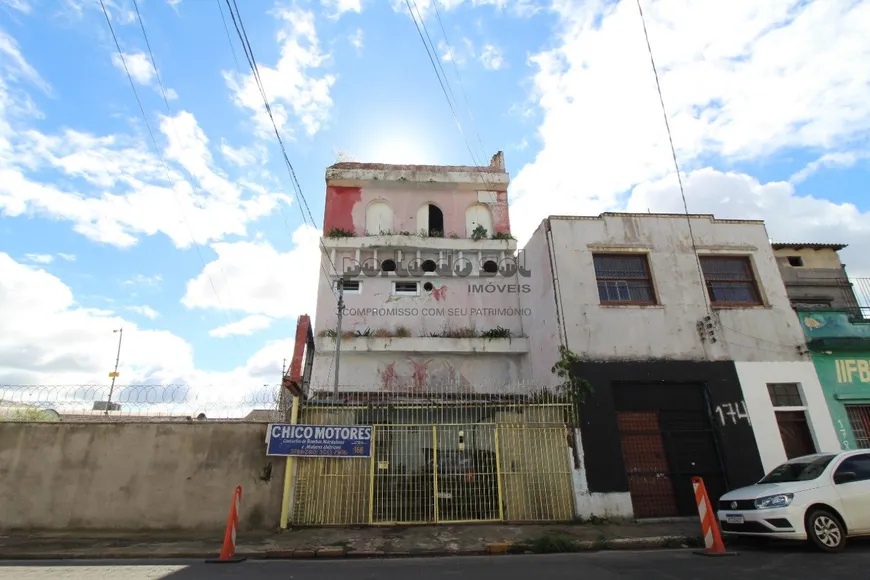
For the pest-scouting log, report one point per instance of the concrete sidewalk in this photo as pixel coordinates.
(355, 542)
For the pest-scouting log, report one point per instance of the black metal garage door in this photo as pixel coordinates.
(667, 438)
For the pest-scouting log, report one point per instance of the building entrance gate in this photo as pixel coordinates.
(435, 474)
(504, 462)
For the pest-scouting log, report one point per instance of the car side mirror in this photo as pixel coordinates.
(845, 477)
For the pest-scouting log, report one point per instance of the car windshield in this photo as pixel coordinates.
(802, 469)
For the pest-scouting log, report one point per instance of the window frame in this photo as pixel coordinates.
(644, 258)
(395, 292)
(801, 407)
(752, 281)
(345, 291)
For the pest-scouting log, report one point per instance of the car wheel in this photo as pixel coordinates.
(825, 531)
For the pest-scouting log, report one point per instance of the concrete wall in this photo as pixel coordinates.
(754, 378)
(406, 371)
(825, 258)
(770, 332)
(136, 476)
(541, 321)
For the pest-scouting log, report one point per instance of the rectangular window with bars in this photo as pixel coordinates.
(623, 279)
(730, 281)
(406, 288)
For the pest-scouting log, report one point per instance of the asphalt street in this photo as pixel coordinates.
(793, 564)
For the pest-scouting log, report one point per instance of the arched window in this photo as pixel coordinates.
(430, 221)
(478, 215)
(379, 218)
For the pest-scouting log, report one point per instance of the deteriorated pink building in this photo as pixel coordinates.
(430, 273)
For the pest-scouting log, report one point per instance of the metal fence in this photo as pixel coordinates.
(442, 455)
(141, 403)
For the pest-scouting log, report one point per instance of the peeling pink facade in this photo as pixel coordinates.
(427, 324)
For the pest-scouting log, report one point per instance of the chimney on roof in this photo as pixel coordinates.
(497, 161)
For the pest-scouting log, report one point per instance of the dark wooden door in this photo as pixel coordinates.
(646, 464)
(795, 432)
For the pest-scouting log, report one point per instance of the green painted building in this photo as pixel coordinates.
(840, 349)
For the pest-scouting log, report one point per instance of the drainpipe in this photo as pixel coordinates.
(557, 290)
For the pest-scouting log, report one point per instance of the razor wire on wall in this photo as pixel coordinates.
(267, 402)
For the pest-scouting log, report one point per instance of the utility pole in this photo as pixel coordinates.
(338, 335)
(120, 332)
(282, 397)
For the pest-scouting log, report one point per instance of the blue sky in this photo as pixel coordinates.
(769, 120)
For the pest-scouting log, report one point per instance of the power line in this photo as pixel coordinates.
(160, 154)
(446, 90)
(674, 155)
(249, 54)
(707, 304)
(459, 78)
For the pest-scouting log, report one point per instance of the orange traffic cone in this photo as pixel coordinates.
(714, 546)
(228, 551)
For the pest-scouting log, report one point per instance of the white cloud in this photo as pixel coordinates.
(841, 159)
(246, 326)
(137, 63)
(335, 8)
(254, 278)
(292, 86)
(67, 257)
(741, 80)
(789, 217)
(242, 156)
(20, 5)
(145, 311)
(520, 8)
(356, 39)
(39, 258)
(458, 53)
(113, 188)
(492, 57)
(48, 339)
(142, 280)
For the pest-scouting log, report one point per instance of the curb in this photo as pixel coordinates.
(332, 552)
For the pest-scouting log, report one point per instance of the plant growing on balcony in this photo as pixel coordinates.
(327, 333)
(454, 236)
(340, 233)
(502, 236)
(383, 333)
(363, 333)
(479, 233)
(402, 332)
(497, 332)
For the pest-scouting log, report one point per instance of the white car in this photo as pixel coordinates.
(822, 498)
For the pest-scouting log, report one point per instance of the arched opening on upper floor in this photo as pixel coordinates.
(430, 221)
(478, 215)
(379, 218)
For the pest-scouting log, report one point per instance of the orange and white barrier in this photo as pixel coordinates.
(714, 546)
(228, 551)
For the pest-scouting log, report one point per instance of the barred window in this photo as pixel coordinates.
(730, 281)
(623, 279)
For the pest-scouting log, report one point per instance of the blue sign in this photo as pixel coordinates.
(319, 440)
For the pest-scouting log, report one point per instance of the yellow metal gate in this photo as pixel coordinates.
(515, 467)
(435, 474)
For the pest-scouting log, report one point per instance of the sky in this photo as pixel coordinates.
(183, 226)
